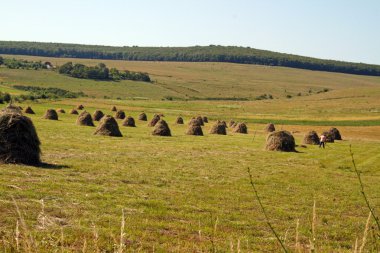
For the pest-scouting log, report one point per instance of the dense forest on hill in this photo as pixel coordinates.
(212, 53)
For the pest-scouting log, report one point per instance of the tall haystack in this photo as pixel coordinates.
(179, 121)
(29, 110)
(154, 120)
(200, 120)
(311, 138)
(129, 122)
(329, 136)
(73, 111)
(120, 114)
(143, 117)
(270, 128)
(161, 128)
(19, 142)
(60, 110)
(85, 119)
(113, 109)
(51, 114)
(194, 130)
(281, 141)
(205, 119)
(218, 128)
(98, 114)
(80, 107)
(108, 126)
(335, 133)
(240, 128)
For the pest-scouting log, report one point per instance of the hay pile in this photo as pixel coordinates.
(80, 107)
(129, 122)
(98, 115)
(329, 136)
(232, 123)
(143, 117)
(108, 126)
(60, 110)
(120, 114)
(335, 133)
(113, 109)
(179, 121)
(85, 119)
(51, 114)
(205, 119)
(29, 110)
(194, 130)
(281, 141)
(73, 111)
(218, 128)
(154, 120)
(240, 128)
(162, 129)
(311, 138)
(19, 142)
(270, 128)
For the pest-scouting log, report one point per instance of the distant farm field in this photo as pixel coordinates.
(192, 194)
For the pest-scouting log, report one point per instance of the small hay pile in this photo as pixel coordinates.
(179, 121)
(270, 128)
(29, 110)
(219, 128)
(108, 126)
(143, 117)
(98, 115)
(113, 109)
(161, 129)
(311, 138)
(19, 142)
(80, 107)
(154, 120)
(51, 114)
(73, 111)
(60, 110)
(120, 114)
(205, 119)
(85, 119)
(240, 128)
(129, 122)
(281, 141)
(329, 136)
(335, 133)
(194, 130)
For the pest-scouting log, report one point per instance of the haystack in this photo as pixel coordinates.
(281, 141)
(205, 119)
(335, 133)
(270, 128)
(179, 121)
(129, 122)
(194, 130)
(98, 114)
(232, 123)
(108, 126)
(329, 136)
(113, 109)
(240, 128)
(29, 110)
(73, 111)
(120, 114)
(80, 107)
(161, 128)
(143, 117)
(85, 119)
(60, 110)
(19, 141)
(311, 138)
(154, 120)
(218, 128)
(51, 114)
(200, 120)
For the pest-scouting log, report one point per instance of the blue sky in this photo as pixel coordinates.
(332, 29)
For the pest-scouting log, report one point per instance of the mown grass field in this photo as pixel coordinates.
(192, 194)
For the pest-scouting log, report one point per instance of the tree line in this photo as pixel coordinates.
(212, 53)
(22, 64)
